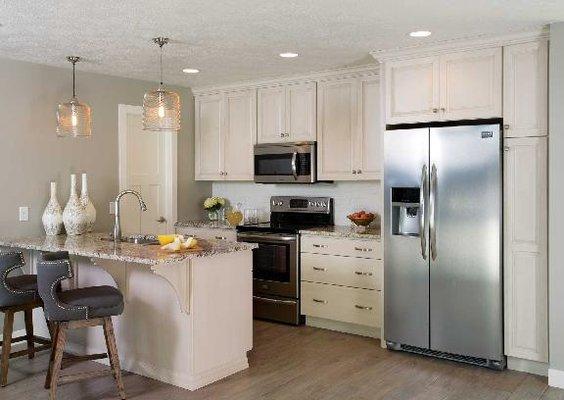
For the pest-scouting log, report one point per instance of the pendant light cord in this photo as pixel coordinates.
(73, 80)
(161, 45)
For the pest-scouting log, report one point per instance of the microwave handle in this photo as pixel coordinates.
(294, 165)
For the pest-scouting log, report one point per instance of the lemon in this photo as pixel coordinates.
(166, 239)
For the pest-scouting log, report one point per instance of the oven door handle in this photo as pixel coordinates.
(266, 238)
(294, 165)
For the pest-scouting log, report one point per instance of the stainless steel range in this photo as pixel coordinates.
(276, 267)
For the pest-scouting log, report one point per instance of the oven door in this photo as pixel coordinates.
(275, 263)
(285, 163)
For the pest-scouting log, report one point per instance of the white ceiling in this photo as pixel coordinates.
(237, 40)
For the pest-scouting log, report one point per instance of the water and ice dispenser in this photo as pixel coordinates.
(405, 211)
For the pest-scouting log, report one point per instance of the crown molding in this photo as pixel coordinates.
(464, 44)
(349, 72)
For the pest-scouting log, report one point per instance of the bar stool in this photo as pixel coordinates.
(17, 294)
(74, 309)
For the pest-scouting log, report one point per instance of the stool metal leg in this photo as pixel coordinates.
(28, 316)
(6, 346)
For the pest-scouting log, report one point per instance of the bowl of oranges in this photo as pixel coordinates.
(361, 219)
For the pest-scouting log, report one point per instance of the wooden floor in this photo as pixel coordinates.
(306, 363)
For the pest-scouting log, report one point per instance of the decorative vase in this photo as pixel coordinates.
(213, 215)
(74, 216)
(52, 217)
(89, 210)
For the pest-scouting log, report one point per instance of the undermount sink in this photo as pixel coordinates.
(136, 239)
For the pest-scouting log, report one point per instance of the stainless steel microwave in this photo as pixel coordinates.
(285, 163)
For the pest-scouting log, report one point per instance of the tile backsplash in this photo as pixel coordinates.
(348, 196)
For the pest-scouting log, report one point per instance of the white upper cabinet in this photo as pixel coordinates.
(208, 141)
(287, 113)
(225, 136)
(525, 248)
(412, 90)
(471, 83)
(240, 135)
(349, 139)
(525, 94)
(454, 86)
(271, 114)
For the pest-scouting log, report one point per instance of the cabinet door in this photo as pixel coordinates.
(369, 138)
(525, 270)
(301, 112)
(525, 74)
(337, 127)
(271, 115)
(471, 85)
(240, 135)
(208, 140)
(412, 90)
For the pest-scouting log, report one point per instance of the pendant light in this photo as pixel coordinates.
(161, 108)
(74, 117)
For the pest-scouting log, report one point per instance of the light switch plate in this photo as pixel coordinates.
(24, 214)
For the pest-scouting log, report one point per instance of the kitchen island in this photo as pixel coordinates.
(188, 316)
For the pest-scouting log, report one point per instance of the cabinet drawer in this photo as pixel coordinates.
(209, 233)
(346, 271)
(356, 306)
(364, 248)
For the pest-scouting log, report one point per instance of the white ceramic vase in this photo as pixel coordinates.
(74, 216)
(52, 217)
(89, 210)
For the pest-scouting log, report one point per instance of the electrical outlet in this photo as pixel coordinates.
(24, 214)
(112, 207)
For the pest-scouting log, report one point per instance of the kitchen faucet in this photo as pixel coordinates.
(117, 224)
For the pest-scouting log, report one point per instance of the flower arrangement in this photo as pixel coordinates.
(214, 203)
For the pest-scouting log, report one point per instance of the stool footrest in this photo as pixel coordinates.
(64, 379)
(69, 359)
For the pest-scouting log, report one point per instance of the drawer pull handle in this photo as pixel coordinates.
(362, 249)
(363, 273)
(363, 307)
(221, 238)
(319, 246)
(319, 269)
(320, 301)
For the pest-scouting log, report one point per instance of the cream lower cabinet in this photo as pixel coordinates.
(225, 130)
(349, 139)
(341, 284)
(447, 87)
(208, 233)
(525, 248)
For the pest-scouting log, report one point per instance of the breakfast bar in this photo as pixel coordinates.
(188, 315)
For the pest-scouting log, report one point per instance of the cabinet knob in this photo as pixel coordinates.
(435, 110)
(443, 109)
(354, 171)
(506, 127)
(506, 148)
(161, 220)
(359, 171)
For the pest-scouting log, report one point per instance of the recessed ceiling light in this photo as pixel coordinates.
(190, 70)
(420, 33)
(289, 55)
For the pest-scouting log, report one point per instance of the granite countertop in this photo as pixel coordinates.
(342, 231)
(204, 224)
(92, 245)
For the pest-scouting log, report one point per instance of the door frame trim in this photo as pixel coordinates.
(171, 162)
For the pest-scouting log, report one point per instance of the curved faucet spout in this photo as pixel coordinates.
(117, 222)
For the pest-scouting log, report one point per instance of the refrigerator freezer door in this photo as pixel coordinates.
(406, 271)
(465, 241)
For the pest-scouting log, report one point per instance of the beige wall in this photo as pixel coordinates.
(31, 155)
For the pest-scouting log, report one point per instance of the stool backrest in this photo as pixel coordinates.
(11, 296)
(52, 269)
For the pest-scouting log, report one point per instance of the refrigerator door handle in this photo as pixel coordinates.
(422, 216)
(432, 213)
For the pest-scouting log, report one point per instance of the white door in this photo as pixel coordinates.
(369, 138)
(337, 122)
(471, 84)
(301, 112)
(412, 90)
(272, 115)
(208, 141)
(147, 162)
(240, 135)
(525, 249)
(525, 89)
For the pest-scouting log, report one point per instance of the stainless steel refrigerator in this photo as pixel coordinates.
(443, 242)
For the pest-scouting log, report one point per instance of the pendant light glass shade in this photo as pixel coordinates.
(74, 118)
(161, 108)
